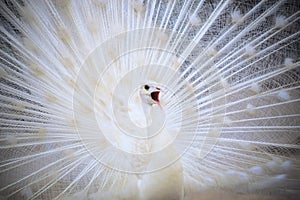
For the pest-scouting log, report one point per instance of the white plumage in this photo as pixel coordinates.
(163, 99)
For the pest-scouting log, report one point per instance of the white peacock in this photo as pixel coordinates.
(162, 99)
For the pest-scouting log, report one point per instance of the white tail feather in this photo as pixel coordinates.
(227, 122)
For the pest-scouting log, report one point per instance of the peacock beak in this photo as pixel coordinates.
(155, 96)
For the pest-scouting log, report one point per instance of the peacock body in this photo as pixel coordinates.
(162, 99)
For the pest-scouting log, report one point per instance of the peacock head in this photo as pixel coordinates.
(150, 94)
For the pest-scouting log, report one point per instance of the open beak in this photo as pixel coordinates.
(155, 96)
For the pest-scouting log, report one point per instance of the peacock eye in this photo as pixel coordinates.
(146, 87)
